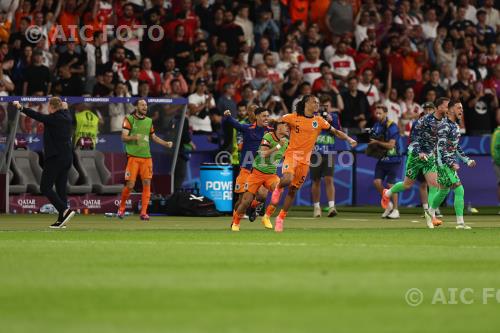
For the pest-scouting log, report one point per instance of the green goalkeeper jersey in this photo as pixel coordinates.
(142, 127)
(269, 164)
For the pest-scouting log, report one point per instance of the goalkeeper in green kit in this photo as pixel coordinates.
(448, 153)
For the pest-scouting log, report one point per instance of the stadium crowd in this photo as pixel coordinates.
(227, 54)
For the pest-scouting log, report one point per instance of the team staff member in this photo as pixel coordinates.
(388, 166)
(58, 155)
(136, 132)
(322, 163)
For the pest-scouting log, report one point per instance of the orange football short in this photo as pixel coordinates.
(241, 181)
(258, 179)
(139, 166)
(297, 169)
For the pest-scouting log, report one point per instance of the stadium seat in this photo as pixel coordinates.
(25, 165)
(91, 162)
(15, 188)
(78, 183)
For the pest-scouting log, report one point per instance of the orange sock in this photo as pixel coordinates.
(125, 195)
(237, 217)
(270, 210)
(255, 203)
(282, 214)
(146, 194)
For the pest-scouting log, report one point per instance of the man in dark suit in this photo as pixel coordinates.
(58, 154)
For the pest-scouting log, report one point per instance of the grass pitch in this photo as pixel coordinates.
(346, 274)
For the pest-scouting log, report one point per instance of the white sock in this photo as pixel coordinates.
(460, 220)
(425, 206)
(432, 211)
(316, 205)
(331, 204)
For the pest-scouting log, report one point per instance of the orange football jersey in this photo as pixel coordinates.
(303, 134)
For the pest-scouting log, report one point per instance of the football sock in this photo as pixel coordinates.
(125, 195)
(425, 206)
(146, 194)
(438, 200)
(316, 205)
(459, 201)
(270, 210)
(432, 193)
(237, 217)
(398, 187)
(460, 220)
(255, 203)
(282, 214)
(331, 204)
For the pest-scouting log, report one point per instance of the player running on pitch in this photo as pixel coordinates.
(136, 132)
(270, 154)
(448, 153)
(305, 127)
(421, 155)
(252, 136)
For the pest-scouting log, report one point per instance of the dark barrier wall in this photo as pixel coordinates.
(480, 182)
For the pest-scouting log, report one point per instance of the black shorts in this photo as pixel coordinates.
(387, 172)
(322, 166)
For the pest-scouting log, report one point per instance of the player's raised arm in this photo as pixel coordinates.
(341, 135)
(235, 124)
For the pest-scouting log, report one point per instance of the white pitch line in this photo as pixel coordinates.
(356, 220)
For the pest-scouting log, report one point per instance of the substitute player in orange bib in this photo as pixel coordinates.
(305, 127)
(136, 132)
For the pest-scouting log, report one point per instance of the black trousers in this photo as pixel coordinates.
(55, 172)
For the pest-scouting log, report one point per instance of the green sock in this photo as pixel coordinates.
(459, 201)
(438, 198)
(432, 193)
(398, 187)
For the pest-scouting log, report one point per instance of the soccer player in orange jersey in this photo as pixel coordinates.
(305, 127)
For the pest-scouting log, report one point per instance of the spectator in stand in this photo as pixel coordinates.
(406, 18)
(151, 77)
(366, 85)
(68, 83)
(434, 84)
(285, 61)
(133, 81)
(6, 17)
(37, 76)
(274, 76)
(261, 83)
(199, 103)
(327, 87)
(242, 19)
(118, 111)
(356, 108)
(221, 54)
(264, 48)
(266, 26)
(410, 110)
(430, 24)
(226, 100)
(118, 64)
(311, 67)
(492, 16)
(486, 33)
(75, 60)
(169, 77)
(232, 34)
(367, 57)
(97, 54)
(339, 18)
(343, 66)
(104, 86)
